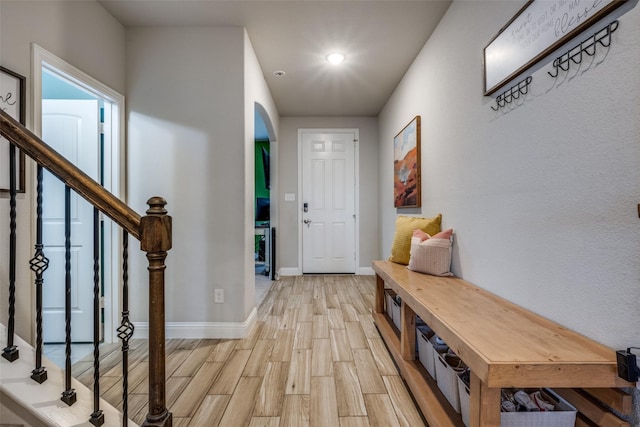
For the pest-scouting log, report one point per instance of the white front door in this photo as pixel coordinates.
(71, 128)
(328, 196)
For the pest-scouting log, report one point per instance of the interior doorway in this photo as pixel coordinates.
(81, 118)
(264, 231)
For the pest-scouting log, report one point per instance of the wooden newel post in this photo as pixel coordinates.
(155, 240)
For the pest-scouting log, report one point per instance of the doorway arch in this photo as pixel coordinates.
(265, 201)
(261, 114)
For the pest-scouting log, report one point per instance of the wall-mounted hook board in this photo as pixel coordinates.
(513, 93)
(587, 46)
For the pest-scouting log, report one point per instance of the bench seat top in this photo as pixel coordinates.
(504, 344)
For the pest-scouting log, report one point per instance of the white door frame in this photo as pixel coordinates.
(356, 165)
(42, 58)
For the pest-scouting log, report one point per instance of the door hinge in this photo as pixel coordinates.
(101, 302)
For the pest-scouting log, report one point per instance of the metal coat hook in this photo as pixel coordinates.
(588, 46)
(513, 93)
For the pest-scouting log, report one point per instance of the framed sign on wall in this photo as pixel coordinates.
(406, 166)
(540, 27)
(12, 101)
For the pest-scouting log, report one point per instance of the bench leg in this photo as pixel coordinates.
(408, 332)
(484, 404)
(379, 308)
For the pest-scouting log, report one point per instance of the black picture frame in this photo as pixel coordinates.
(12, 101)
(539, 28)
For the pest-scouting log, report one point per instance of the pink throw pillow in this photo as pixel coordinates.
(446, 234)
(431, 255)
(420, 234)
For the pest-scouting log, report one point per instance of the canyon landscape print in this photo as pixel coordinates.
(406, 166)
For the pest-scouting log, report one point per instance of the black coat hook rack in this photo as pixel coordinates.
(513, 93)
(587, 46)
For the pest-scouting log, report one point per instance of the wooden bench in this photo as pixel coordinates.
(503, 344)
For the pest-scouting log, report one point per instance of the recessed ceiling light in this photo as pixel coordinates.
(279, 73)
(336, 58)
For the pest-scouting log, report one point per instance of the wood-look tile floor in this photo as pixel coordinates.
(314, 358)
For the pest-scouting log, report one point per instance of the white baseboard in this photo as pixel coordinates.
(294, 271)
(366, 271)
(199, 330)
(290, 271)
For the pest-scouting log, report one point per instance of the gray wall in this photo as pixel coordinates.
(287, 240)
(72, 31)
(542, 195)
(186, 144)
(191, 100)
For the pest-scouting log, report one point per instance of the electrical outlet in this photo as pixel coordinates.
(218, 296)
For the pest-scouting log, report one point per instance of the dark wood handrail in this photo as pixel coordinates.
(153, 231)
(68, 173)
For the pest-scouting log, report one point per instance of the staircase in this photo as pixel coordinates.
(40, 405)
(37, 393)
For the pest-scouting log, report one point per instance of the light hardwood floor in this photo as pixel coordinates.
(314, 358)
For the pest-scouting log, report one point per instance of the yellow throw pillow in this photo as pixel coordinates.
(401, 247)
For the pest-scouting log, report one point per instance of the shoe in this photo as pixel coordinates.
(508, 403)
(454, 362)
(465, 377)
(438, 345)
(508, 406)
(426, 331)
(540, 402)
(523, 399)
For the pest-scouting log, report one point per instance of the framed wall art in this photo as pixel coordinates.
(12, 101)
(540, 27)
(406, 166)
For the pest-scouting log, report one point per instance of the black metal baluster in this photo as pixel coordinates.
(69, 394)
(38, 264)
(11, 352)
(97, 417)
(125, 330)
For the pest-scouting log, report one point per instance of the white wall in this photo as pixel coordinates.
(542, 195)
(72, 31)
(287, 237)
(188, 142)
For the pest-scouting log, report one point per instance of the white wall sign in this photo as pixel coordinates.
(12, 87)
(535, 31)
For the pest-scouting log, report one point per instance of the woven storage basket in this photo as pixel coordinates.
(563, 416)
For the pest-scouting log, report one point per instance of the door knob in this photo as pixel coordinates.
(307, 221)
